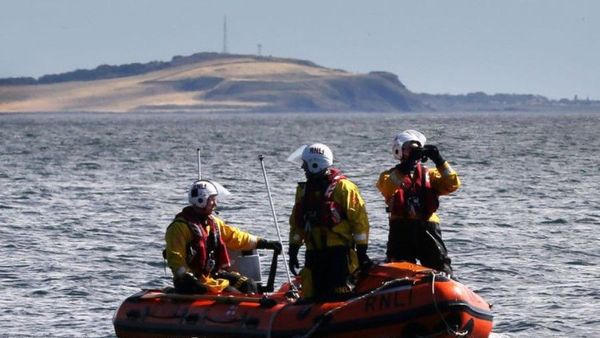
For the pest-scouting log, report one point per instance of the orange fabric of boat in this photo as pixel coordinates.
(385, 272)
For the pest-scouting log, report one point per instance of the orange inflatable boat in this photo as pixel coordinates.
(391, 300)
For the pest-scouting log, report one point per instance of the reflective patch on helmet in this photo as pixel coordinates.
(316, 150)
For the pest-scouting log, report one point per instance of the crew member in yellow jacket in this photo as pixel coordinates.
(197, 243)
(411, 193)
(330, 218)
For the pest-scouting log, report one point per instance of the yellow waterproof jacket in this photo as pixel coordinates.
(179, 236)
(353, 228)
(444, 180)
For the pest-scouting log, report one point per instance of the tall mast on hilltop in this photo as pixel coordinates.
(225, 51)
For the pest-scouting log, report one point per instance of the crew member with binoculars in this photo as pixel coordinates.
(411, 193)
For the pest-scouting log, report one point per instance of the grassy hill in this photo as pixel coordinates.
(212, 82)
(209, 82)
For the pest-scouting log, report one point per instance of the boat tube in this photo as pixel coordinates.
(390, 300)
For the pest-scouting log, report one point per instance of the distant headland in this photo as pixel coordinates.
(212, 82)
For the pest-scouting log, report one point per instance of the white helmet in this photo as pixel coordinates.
(317, 157)
(406, 136)
(200, 191)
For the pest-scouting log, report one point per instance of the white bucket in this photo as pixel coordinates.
(247, 265)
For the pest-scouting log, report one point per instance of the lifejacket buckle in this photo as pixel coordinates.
(210, 264)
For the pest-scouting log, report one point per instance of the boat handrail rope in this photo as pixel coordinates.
(330, 313)
(272, 319)
(437, 309)
(287, 270)
(195, 297)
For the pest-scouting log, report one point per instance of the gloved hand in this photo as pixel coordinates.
(433, 153)
(188, 283)
(237, 282)
(265, 244)
(364, 262)
(293, 263)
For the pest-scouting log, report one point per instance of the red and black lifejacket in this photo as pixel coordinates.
(317, 208)
(414, 197)
(206, 252)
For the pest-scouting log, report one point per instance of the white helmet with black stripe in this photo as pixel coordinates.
(409, 135)
(200, 191)
(317, 157)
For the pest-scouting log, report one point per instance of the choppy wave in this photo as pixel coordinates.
(85, 200)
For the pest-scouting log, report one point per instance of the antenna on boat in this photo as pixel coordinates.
(199, 165)
(287, 269)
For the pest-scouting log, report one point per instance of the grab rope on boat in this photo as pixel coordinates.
(325, 317)
(272, 319)
(449, 330)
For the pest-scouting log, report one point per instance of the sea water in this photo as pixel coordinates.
(85, 200)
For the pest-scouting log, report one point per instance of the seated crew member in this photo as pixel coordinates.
(196, 243)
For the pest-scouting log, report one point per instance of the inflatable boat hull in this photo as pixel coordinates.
(394, 300)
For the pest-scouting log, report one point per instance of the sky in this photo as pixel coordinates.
(544, 47)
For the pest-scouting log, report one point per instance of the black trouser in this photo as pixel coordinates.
(409, 240)
(329, 270)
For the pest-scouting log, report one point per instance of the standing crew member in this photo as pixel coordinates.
(411, 193)
(330, 218)
(197, 241)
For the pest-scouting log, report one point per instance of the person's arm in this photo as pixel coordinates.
(385, 185)
(353, 205)
(296, 230)
(356, 214)
(177, 238)
(444, 180)
(295, 238)
(235, 238)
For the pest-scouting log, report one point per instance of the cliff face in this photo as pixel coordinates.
(210, 82)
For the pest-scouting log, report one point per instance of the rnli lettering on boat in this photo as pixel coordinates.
(387, 301)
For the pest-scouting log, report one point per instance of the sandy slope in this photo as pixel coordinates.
(159, 90)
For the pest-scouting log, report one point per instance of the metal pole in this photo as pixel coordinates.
(199, 165)
(287, 270)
